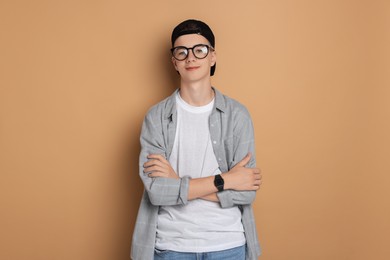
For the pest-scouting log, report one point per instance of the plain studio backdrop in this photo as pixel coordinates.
(77, 77)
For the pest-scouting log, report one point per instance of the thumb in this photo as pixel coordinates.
(245, 160)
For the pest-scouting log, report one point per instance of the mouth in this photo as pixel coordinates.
(192, 68)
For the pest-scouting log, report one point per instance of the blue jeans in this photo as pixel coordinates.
(237, 253)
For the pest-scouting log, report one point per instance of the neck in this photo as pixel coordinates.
(197, 94)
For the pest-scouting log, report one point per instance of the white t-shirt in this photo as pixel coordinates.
(200, 225)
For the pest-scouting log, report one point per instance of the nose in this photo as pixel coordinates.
(190, 56)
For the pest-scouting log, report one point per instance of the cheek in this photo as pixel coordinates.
(174, 62)
(179, 65)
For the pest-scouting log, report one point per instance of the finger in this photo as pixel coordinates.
(153, 162)
(245, 160)
(159, 157)
(255, 171)
(258, 176)
(156, 174)
(254, 187)
(154, 168)
(257, 182)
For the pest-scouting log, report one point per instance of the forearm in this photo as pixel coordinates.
(211, 197)
(201, 188)
(204, 188)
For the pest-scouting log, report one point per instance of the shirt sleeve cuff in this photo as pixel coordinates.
(184, 185)
(225, 199)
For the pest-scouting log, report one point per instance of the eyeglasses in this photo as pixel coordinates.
(200, 51)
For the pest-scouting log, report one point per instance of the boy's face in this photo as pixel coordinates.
(193, 69)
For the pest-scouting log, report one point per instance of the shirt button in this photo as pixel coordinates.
(219, 159)
(214, 142)
(212, 125)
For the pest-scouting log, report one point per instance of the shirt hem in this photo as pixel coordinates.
(203, 249)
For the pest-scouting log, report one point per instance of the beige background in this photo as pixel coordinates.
(77, 77)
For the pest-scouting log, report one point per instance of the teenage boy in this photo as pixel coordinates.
(197, 163)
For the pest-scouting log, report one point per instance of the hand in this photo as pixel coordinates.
(242, 178)
(158, 166)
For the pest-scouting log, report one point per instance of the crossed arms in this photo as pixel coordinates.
(239, 178)
(164, 187)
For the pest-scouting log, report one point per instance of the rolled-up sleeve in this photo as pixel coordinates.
(161, 191)
(243, 143)
(231, 198)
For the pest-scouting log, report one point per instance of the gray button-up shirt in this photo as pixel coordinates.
(232, 135)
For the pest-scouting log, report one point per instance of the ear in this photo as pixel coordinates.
(213, 58)
(174, 63)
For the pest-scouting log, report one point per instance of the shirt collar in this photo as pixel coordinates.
(220, 102)
(170, 110)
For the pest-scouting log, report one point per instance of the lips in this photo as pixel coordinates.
(192, 68)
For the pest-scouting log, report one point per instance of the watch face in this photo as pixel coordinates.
(219, 182)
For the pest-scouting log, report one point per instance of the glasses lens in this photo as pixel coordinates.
(201, 51)
(180, 53)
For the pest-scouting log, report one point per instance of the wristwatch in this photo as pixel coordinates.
(219, 182)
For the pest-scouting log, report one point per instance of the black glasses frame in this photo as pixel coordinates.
(192, 49)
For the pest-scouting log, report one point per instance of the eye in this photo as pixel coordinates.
(201, 49)
(180, 52)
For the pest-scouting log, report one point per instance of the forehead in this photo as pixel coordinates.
(189, 40)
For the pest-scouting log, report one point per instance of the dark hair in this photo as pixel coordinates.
(192, 26)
